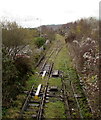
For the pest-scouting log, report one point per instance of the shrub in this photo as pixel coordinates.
(10, 76)
(23, 65)
(70, 37)
(39, 41)
(15, 70)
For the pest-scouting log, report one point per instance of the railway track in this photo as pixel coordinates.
(38, 106)
(34, 108)
(69, 97)
(65, 96)
(71, 102)
(52, 54)
(72, 98)
(40, 112)
(41, 108)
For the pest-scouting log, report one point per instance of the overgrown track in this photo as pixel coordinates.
(73, 97)
(41, 108)
(53, 54)
(65, 97)
(46, 60)
(25, 105)
(70, 97)
(38, 106)
(40, 112)
(39, 61)
(72, 105)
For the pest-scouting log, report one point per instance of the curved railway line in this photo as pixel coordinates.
(29, 99)
(69, 98)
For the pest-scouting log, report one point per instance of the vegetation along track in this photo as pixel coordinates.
(60, 97)
(34, 108)
(74, 97)
(48, 60)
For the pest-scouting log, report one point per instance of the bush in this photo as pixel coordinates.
(15, 74)
(23, 65)
(39, 41)
(70, 37)
(10, 76)
(15, 71)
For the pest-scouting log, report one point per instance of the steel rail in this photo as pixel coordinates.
(66, 99)
(26, 101)
(41, 105)
(40, 112)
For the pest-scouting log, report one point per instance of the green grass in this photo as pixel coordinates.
(55, 82)
(33, 80)
(63, 58)
(55, 110)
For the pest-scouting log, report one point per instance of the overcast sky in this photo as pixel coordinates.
(32, 13)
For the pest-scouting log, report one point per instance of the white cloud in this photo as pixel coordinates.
(50, 11)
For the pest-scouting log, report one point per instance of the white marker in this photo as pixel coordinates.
(37, 92)
(44, 72)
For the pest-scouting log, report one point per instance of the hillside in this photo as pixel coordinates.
(54, 27)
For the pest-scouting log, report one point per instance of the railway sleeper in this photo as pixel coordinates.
(35, 101)
(29, 116)
(34, 105)
(34, 116)
(47, 101)
(53, 89)
(31, 110)
(47, 98)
